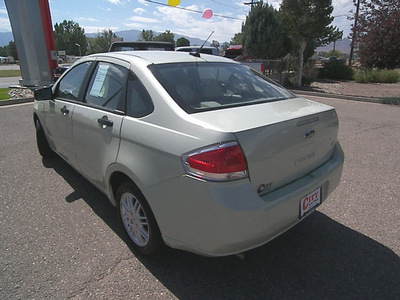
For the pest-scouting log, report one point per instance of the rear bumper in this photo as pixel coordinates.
(217, 219)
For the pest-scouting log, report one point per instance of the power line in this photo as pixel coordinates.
(220, 3)
(193, 10)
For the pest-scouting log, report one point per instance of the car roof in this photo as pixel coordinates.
(162, 57)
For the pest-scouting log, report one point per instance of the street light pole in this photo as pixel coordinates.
(79, 48)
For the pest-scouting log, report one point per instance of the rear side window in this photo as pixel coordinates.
(106, 86)
(138, 102)
(70, 86)
(207, 86)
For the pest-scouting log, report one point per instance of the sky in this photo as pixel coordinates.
(96, 15)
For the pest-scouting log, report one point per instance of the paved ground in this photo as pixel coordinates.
(9, 67)
(6, 82)
(352, 88)
(60, 239)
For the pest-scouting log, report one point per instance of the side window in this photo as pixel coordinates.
(138, 102)
(106, 86)
(70, 85)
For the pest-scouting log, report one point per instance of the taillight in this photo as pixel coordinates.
(221, 162)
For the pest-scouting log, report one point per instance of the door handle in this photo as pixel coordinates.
(64, 110)
(105, 122)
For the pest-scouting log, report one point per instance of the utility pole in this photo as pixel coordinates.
(252, 3)
(354, 32)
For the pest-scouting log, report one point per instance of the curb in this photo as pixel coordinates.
(338, 96)
(16, 101)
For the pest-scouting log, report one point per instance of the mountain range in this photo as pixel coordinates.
(343, 46)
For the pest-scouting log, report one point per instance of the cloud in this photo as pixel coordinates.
(117, 2)
(143, 19)
(88, 19)
(139, 10)
(192, 24)
(5, 25)
(143, 2)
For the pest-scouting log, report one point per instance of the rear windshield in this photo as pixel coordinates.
(208, 86)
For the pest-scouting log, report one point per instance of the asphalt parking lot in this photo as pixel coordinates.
(60, 239)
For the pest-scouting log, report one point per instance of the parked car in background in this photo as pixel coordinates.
(235, 52)
(59, 71)
(141, 45)
(198, 153)
(205, 50)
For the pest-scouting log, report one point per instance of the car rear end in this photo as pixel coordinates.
(279, 158)
(240, 194)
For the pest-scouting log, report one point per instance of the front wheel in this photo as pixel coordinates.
(138, 220)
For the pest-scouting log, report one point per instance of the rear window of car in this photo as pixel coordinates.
(206, 86)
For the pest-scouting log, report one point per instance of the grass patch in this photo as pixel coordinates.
(391, 100)
(377, 76)
(4, 94)
(10, 73)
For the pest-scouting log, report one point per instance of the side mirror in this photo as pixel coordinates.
(43, 93)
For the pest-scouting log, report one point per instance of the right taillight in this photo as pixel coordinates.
(221, 162)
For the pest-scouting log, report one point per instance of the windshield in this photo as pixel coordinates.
(207, 86)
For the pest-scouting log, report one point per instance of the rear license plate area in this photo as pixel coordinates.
(309, 202)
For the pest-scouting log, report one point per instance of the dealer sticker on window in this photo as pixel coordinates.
(309, 202)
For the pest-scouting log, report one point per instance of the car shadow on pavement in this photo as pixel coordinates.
(317, 259)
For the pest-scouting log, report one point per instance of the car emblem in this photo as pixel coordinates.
(309, 133)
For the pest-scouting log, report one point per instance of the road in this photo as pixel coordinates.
(60, 239)
(6, 82)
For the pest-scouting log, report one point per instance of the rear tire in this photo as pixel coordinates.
(138, 220)
(43, 145)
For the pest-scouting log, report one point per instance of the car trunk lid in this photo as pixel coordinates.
(282, 141)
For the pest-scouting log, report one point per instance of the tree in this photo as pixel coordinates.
(263, 35)
(102, 42)
(305, 22)
(237, 39)
(378, 33)
(215, 44)
(68, 35)
(3, 51)
(11, 50)
(166, 36)
(146, 35)
(224, 46)
(182, 42)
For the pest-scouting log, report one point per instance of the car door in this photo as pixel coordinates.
(97, 121)
(59, 117)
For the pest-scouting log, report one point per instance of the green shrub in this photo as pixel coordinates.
(336, 70)
(365, 75)
(378, 76)
(388, 76)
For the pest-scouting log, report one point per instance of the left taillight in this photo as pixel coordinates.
(221, 162)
